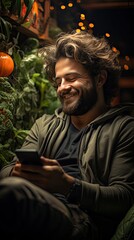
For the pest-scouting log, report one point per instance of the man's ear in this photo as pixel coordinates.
(102, 77)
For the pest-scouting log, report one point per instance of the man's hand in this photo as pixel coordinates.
(49, 176)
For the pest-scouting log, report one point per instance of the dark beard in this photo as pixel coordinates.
(85, 103)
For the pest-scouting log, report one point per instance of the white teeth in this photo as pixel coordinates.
(67, 96)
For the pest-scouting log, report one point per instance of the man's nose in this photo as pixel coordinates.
(64, 85)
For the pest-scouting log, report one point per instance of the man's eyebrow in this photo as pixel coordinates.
(68, 74)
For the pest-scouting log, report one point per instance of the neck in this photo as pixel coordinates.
(82, 121)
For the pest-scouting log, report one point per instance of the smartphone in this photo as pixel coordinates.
(28, 156)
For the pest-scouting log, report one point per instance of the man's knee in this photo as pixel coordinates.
(31, 208)
(12, 181)
(14, 189)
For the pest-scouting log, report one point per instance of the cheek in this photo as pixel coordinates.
(58, 93)
(86, 86)
(85, 83)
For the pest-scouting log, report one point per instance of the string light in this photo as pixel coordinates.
(80, 24)
(107, 35)
(126, 67)
(51, 8)
(82, 16)
(83, 28)
(114, 49)
(91, 25)
(70, 4)
(63, 7)
(78, 30)
(127, 58)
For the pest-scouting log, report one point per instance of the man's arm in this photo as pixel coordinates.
(6, 170)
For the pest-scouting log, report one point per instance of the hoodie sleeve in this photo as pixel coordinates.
(6, 170)
(111, 191)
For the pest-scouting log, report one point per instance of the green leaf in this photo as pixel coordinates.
(27, 24)
(17, 58)
(29, 3)
(19, 7)
(5, 27)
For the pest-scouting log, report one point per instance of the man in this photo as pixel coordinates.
(85, 184)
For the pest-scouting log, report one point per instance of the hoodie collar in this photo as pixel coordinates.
(124, 108)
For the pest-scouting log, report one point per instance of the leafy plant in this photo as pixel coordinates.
(25, 95)
(36, 96)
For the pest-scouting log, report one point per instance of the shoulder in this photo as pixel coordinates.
(58, 117)
(124, 114)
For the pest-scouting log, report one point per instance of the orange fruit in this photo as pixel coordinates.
(6, 64)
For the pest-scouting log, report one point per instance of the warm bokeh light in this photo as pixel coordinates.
(107, 35)
(127, 58)
(80, 24)
(62, 7)
(82, 16)
(51, 8)
(114, 49)
(126, 67)
(70, 4)
(83, 28)
(91, 25)
(78, 30)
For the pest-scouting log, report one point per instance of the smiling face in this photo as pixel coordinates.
(75, 87)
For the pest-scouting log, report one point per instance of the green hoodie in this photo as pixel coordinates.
(106, 157)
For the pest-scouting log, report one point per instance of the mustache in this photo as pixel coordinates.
(67, 92)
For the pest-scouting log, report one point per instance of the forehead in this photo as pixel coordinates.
(68, 65)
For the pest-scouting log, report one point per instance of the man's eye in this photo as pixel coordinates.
(58, 83)
(68, 78)
(71, 79)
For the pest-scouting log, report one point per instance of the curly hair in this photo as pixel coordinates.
(94, 53)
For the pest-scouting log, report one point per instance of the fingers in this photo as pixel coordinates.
(49, 162)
